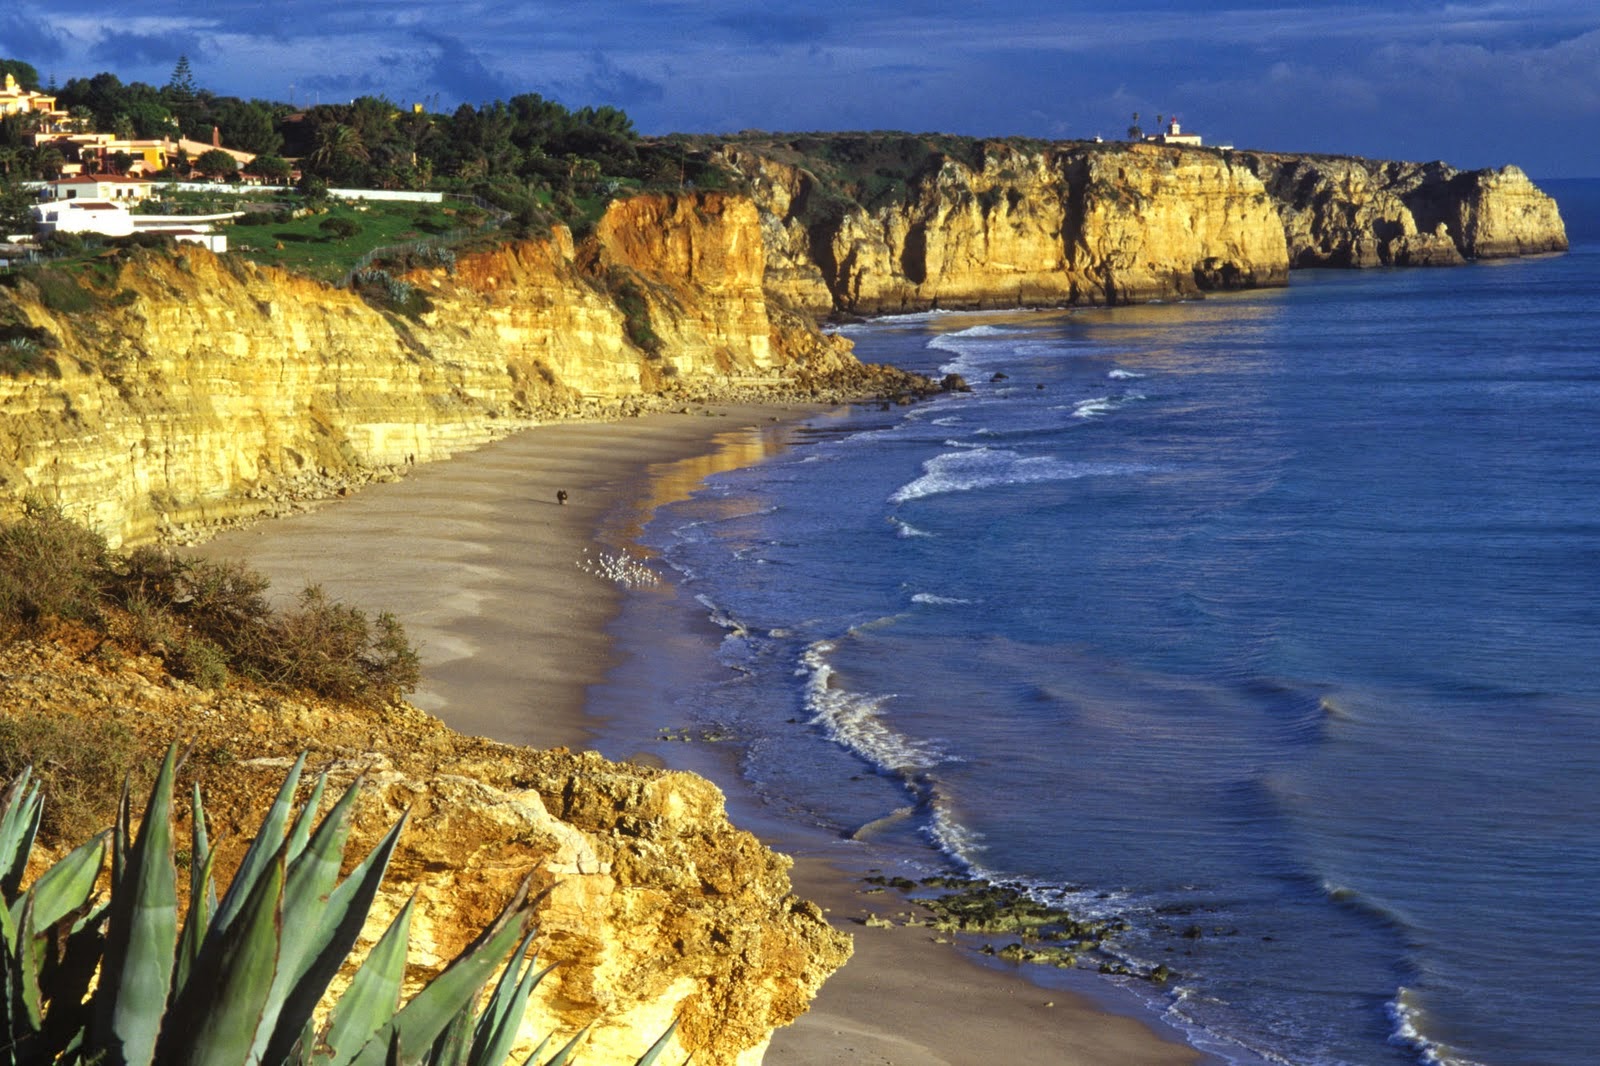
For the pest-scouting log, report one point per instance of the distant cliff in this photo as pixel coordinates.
(1346, 212)
(869, 224)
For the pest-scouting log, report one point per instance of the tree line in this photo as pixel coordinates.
(528, 154)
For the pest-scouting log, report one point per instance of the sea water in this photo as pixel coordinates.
(1266, 622)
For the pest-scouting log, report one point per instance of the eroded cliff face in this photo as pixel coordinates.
(657, 910)
(199, 384)
(1346, 212)
(1018, 229)
(1068, 224)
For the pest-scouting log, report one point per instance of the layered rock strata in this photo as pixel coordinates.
(1018, 228)
(197, 385)
(1002, 225)
(1348, 212)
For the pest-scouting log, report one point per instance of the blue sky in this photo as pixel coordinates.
(1472, 83)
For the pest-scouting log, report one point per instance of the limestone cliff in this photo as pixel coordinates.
(1348, 212)
(1010, 227)
(871, 224)
(196, 385)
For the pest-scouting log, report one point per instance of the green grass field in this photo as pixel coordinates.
(311, 245)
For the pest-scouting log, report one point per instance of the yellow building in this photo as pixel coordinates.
(15, 100)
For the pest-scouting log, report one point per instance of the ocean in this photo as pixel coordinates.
(1266, 623)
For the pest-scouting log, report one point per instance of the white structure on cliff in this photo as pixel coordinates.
(1174, 135)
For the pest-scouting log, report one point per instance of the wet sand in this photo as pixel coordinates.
(480, 561)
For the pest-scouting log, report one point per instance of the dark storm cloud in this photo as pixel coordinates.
(775, 28)
(459, 72)
(1490, 80)
(145, 49)
(29, 38)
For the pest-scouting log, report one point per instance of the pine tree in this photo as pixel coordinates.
(181, 84)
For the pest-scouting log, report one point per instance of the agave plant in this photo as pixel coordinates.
(239, 983)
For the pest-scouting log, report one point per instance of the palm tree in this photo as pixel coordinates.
(338, 145)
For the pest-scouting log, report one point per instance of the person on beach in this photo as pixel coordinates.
(561, 497)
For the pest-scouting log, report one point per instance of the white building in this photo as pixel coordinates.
(1174, 135)
(105, 218)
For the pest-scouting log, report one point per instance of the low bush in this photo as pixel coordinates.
(80, 764)
(50, 567)
(207, 620)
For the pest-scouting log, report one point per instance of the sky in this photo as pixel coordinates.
(1477, 83)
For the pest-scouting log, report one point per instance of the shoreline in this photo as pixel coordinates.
(460, 550)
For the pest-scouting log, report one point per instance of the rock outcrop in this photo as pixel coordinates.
(864, 224)
(1347, 212)
(658, 909)
(1014, 228)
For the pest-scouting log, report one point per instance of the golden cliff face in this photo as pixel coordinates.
(1020, 229)
(1346, 212)
(1089, 224)
(201, 383)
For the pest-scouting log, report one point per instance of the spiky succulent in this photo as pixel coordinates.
(116, 983)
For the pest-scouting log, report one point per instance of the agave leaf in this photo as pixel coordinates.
(19, 823)
(421, 1021)
(658, 1047)
(202, 893)
(196, 927)
(202, 889)
(142, 936)
(221, 1007)
(563, 1056)
(502, 1018)
(25, 964)
(374, 992)
(263, 850)
(306, 896)
(342, 919)
(302, 824)
(454, 1045)
(65, 888)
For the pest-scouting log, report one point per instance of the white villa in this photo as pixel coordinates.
(113, 187)
(99, 205)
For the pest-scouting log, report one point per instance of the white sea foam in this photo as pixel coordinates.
(968, 346)
(940, 601)
(906, 531)
(855, 720)
(1122, 375)
(984, 467)
(1409, 1022)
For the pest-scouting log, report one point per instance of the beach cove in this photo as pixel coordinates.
(491, 576)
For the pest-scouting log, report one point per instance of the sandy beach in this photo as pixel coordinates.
(481, 562)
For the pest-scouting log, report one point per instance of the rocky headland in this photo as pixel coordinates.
(175, 391)
(163, 393)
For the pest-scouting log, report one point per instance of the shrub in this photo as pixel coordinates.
(23, 355)
(338, 228)
(50, 567)
(80, 765)
(206, 619)
(334, 650)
